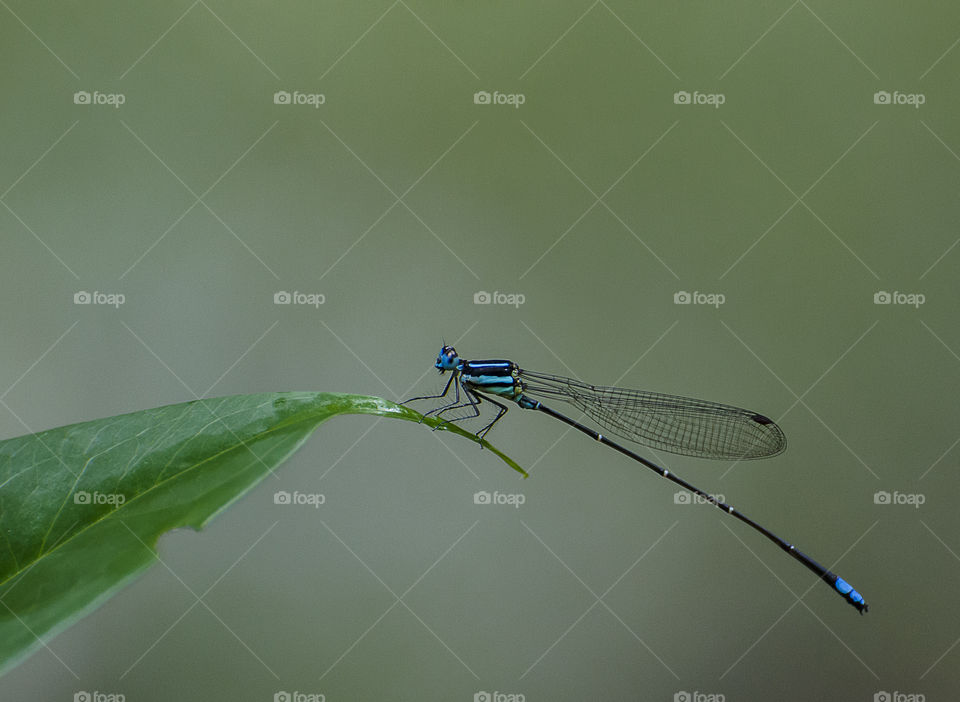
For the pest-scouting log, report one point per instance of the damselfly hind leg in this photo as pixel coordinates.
(501, 410)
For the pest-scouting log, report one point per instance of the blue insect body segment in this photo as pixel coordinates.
(527, 403)
(496, 377)
(682, 425)
(851, 595)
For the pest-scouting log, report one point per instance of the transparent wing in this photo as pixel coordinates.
(676, 424)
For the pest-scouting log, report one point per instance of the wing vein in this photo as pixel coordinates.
(681, 425)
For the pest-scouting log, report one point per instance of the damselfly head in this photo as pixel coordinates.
(447, 359)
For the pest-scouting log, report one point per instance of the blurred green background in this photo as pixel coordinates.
(598, 199)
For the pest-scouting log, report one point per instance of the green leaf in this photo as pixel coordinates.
(82, 506)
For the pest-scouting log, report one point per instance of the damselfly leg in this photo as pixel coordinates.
(441, 408)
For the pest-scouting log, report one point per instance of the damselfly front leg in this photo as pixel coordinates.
(473, 402)
(475, 399)
(446, 389)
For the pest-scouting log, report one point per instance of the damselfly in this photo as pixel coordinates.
(676, 424)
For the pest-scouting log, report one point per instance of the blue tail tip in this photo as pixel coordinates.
(851, 595)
